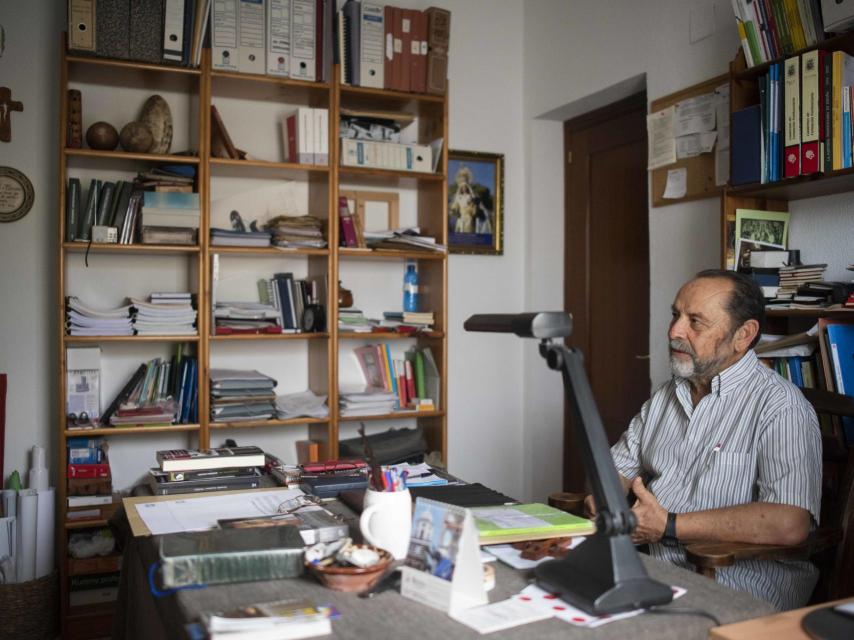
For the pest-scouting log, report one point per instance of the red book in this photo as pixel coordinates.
(397, 45)
(348, 225)
(792, 117)
(388, 48)
(418, 61)
(406, 49)
(291, 150)
(410, 379)
(318, 40)
(100, 470)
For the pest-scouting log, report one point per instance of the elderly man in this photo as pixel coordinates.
(727, 450)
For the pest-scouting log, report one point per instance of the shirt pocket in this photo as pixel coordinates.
(726, 479)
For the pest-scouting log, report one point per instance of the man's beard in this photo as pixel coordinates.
(695, 368)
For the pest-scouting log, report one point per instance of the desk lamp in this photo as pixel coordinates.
(604, 573)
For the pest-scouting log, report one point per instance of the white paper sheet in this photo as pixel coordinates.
(721, 167)
(695, 115)
(44, 532)
(504, 614)
(677, 183)
(660, 138)
(694, 144)
(26, 534)
(202, 513)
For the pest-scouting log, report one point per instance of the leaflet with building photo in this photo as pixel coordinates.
(443, 567)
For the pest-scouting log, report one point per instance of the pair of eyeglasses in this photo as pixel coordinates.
(294, 504)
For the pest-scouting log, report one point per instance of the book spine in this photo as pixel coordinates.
(811, 110)
(836, 111)
(72, 209)
(793, 118)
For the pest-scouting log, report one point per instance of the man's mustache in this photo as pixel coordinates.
(684, 347)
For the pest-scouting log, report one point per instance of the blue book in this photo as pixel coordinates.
(190, 384)
(840, 338)
(393, 377)
(171, 199)
(746, 145)
(846, 133)
(795, 374)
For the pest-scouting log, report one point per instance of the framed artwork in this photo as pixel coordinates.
(475, 202)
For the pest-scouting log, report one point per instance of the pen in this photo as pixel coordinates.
(717, 447)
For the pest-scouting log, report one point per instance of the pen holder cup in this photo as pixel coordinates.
(386, 520)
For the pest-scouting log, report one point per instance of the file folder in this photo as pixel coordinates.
(112, 24)
(372, 38)
(303, 39)
(251, 50)
(173, 30)
(81, 25)
(224, 28)
(146, 30)
(278, 37)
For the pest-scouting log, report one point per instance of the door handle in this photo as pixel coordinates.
(646, 357)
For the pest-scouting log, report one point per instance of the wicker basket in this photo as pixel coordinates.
(30, 609)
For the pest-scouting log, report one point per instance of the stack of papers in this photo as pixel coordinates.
(241, 395)
(409, 238)
(245, 317)
(367, 402)
(418, 475)
(161, 318)
(353, 320)
(81, 320)
(229, 238)
(296, 231)
(305, 403)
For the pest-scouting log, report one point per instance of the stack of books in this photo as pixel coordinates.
(246, 317)
(367, 402)
(413, 381)
(166, 314)
(194, 471)
(770, 30)
(160, 392)
(405, 321)
(82, 320)
(168, 178)
(170, 217)
(239, 395)
(354, 320)
(296, 231)
(792, 277)
(302, 404)
(232, 238)
(409, 239)
(90, 495)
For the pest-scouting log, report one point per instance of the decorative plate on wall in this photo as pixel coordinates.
(16, 194)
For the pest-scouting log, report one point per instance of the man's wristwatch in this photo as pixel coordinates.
(669, 538)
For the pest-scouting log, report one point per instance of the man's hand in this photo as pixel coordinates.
(590, 507)
(652, 517)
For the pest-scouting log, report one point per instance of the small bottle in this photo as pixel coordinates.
(410, 289)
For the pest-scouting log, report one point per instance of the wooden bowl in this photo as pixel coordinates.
(352, 579)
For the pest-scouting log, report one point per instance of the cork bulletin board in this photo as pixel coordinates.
(700, 169)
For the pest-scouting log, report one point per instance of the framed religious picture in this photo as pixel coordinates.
(16, 194)
(475, 202)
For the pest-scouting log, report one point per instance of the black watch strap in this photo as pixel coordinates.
(670, 530)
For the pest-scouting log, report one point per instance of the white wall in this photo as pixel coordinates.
(581, 55)
(28, 309)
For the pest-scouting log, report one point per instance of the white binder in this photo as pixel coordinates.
(305, 135)
(321, 136)
(278, 37)
(224, 28)
(372, 62)
(173, 30)
(303, 39)
(251, 49)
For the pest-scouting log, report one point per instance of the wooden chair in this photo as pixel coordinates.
(831, 546)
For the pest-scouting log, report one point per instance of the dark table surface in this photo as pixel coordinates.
(140, 615)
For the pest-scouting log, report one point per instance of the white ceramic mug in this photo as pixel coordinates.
(386, 520)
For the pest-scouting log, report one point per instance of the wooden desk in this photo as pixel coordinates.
(786, 625)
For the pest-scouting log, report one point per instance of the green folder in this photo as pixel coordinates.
(520, 522)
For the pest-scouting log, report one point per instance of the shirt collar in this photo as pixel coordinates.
(729, 379)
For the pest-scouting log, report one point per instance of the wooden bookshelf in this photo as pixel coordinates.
(204, 86)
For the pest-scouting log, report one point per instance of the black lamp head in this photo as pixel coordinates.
(542, 325)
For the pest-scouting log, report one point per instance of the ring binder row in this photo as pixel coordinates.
(378, 46)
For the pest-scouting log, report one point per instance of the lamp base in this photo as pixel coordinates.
(585, 577)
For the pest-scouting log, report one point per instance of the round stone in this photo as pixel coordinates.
(158, 118)
(136, 137)
(102, 136)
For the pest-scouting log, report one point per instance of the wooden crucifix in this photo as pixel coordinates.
(7, 106)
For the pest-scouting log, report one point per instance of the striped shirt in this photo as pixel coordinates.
(753, 438)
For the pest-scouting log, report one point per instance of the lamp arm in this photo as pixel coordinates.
(613, 516)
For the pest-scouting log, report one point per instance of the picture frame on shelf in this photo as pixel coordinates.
(475, 202)
(372, 211)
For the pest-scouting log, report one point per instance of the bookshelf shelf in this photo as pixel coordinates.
(85, 524)
(389, 175)
(810, 313)
(127, 65)
(97, 247)
(268, 164)
(813, 186)
(126, 155)
(267, 251)
(249, 424)
(97, 564)
(242, 337)
(285, 83)
(390, 254)
(100, 339)
(388, 335)
(404, 97)
(124, 431)
(395, 416)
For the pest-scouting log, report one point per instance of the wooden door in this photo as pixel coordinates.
(606, 264)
